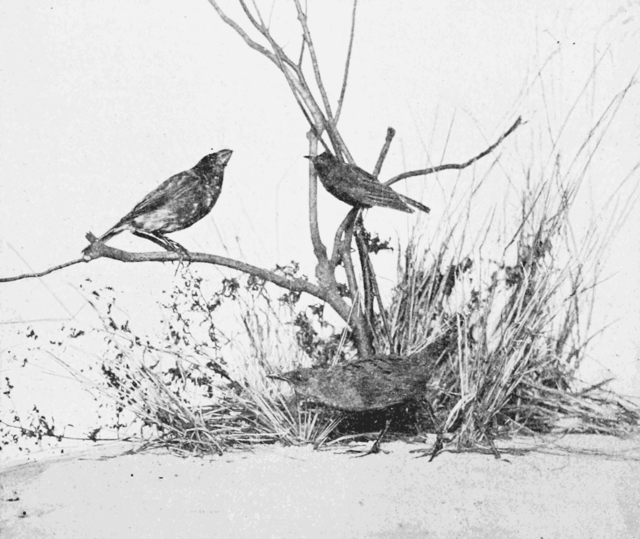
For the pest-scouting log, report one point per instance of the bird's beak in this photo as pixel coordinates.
(277, 377)
(307, 157)
(224, 156)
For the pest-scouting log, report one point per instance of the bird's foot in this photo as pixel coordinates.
(183, 255)
(433, 452)
(375, 448)
(174, 247)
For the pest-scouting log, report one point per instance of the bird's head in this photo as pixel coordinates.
(302, 380)
(215, 160)
(323, 161)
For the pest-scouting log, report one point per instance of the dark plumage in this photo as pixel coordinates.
(358, 188)
(374, 383)
(176, 204)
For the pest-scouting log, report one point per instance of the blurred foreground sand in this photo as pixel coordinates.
(284, 492)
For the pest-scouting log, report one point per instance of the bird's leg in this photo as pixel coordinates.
(152, 237)
(166, 243)
(375, 448)
(177, 248)
(437, 446)
(489, 437)
(173, 246)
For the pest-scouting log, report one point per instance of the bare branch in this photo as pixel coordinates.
(347, 64)
(292, 72)
(319, 248)
(301, 55)
(264, 30)
(254, 45)
(41, 273)
(302, 17)
(391, 132)
(336, 139)
(369, 281)
(341, 236)
(101, 250)
(298, 86)
(360, 323)
(455, 166)
(348, 266)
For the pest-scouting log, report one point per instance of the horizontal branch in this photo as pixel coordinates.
(101, 250)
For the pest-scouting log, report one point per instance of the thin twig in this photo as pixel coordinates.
(254, 45)
(347, 64)
(299, 87)
(302, 17)
(41, 273)
(455, 166)
(336, 139)
(391, 132)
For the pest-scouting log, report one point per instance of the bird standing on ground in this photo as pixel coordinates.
(358, 188)
(374, 383)
(176, 204)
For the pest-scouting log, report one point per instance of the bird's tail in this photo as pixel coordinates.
(415, 203)
(113, 231)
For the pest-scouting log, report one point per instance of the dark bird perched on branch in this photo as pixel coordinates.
(374, 383)
(357, 187)
(175, 204)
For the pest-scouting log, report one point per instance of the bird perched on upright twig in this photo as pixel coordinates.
(374, 383)
(358, 188)
(176, 204)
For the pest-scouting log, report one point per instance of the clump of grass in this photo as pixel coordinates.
(520, 322)
(188, 395)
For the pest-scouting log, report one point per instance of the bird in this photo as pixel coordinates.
(356, 187)
(374, 383)
(175, 204)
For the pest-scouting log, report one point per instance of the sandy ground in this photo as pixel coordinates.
(284, 492)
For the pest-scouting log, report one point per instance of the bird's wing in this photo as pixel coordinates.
(376, 194)
(162, 195)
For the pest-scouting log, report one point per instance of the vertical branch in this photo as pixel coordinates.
(362, 330)
(338, 143)
(369, 281)
(391, 132)
(347, 64)
(342, 236)
(319, 119)
(302, 17)
(319, 248)
(368, 277)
